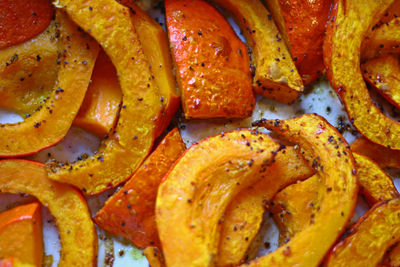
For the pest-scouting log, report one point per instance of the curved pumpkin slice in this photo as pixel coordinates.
(13, 262)
(131, 141)
(192, 200)
(276, 75)
(21, 234)
(77, 233)
(244, 214)
(154, 257)
(383, 156)
(23, 19)
(347, 28)
(383, 74)
(51, 122)
(328, 151)
(374, 233)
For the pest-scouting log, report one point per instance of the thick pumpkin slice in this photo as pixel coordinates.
(383, 156)
(276, 76)
(28, 72)
(23, 19)
(125, 149)
(191, 201)
(244, 214)
(328, 151)
(369, 238)
(153, 256)
(21, 234)
(212, 63)
(302, 24)
(383, 74)
(130, 212)
(13, 262)
(347, 28)
(77, 233)
(50, 123)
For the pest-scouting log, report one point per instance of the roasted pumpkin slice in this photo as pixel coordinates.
(383, 156)
(196, 191)
(330, 155)
(383, 73)
(212, 63)
(276, 76)
(125, 149)
(77, 233)
(22, 20)
(51, 122)
(154, 257)
(28, 72)
(382, 40)
(302, 24)
(347, 28)
(369, 238)
(130, 212)
(244, 214)
(21, 234)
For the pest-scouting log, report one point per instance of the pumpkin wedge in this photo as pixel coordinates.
(383, 156)
(22, 20)
(153, 256)
(302, 24)
(212, 63)
(77, 233)
(349, 24)
(374, 233)
(21, 234)
(244, 214)
(28, 72)
(196, 191)
(276, 75)
(50, 123)
(130, 142)
(130, 211)
(321, 144)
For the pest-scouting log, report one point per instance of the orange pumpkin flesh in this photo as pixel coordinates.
(125, 149)
(342, 59)
(52, 121)
(321, 144)
(154, 257)
(276, 76)
(244, 214)
(130, 212)
(196, 191)
(13, 262)
(21, 234)
(212, 63)
(77, 233)
(302, 24)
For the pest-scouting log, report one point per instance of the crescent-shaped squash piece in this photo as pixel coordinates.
(78, 236)
(348, 26)
(51, 122)
(131, 141)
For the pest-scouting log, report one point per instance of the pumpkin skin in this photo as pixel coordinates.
(66, 204)
(212, 63)
(51, 122)
(276, 75)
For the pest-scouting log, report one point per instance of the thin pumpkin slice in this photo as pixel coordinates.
(51, 122)
(77, 233)
(130, 142)
(383, 156)
(321, 144)
(196, 191)
(130, 211)
(212, 62)
(276, 75)
(302, 24)
(153, 256)
(21, 234)
(349, 24)
(383, 73)
(22, 20)
(367, 241)
(13, 262)
(244, 214)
